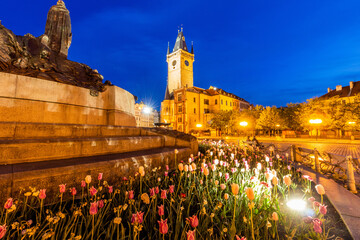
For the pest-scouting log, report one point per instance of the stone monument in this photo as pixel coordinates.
(45, 56)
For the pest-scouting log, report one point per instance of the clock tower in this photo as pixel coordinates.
(180, 65)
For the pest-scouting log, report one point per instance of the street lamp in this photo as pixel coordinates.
(199, 125)
(147, 111)
(316, 122)
(244, 124)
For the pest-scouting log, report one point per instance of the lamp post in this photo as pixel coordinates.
(316, 122)
(243, 124)
(147, 111)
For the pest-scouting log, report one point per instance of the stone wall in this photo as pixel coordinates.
(26, 99)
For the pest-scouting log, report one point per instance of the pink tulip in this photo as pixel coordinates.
(152, 192)
(163, 194)
(222, 186)
(311, 199)
(110, 189)
(137, 218)
(101, 204)
(171, 188)
(190, 235)
(161, 210)
(83, 184)
(166, 174)
(93, 208)
(322, 209)
(157, 190)
(62, 188)
(2, 231)
(194, 221)
(317, 225)
(307, 177)
(100, 176)
(42, 194)
(73, 191)
(227, 176)
(163, 227)
(238, 238)
(131, 194)
(8, 203)
(167, 167)
(93, 191)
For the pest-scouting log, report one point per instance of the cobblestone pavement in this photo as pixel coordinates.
(338, 149)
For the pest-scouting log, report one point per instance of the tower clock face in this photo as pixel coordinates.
(174, 63)
(186, 62)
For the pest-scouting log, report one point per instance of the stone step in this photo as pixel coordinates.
(17, 130)
(49, 174)
(33, 150)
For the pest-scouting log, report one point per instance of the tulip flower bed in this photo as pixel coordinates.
(223, 193)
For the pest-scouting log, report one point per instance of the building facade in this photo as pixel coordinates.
(188, 108)
(144, 115)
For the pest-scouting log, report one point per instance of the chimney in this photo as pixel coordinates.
(351, 85)
(329, 89)
(338, 88)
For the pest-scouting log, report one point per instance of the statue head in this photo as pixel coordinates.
(61, 2)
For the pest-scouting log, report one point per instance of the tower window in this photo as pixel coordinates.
(215, 101)
(179, 97)
(180, 109)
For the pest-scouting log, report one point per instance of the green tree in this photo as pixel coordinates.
(269, 120)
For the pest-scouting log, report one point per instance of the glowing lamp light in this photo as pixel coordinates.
(278, 125)
(199, 125)
(243, 124)
(315, 121)
(147, 110)
(296, 205)
(351, 123)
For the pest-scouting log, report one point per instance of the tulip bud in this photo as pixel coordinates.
(181, 167)
(287, 180)
(226, 196)
(250, 193)
(274, 216)
(235, 188)
(320, 189)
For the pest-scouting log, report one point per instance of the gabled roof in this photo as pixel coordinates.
(180, 42)
(212, 92)
(343, 91)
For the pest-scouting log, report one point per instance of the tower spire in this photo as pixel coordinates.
(192, 47)
(168, 50)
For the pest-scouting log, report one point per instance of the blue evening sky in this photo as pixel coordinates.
(267, 52)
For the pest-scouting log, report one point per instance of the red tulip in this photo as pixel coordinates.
(190, 235)
(42, 194)
(322, 209)
(152, 192)
(171, 188)
(73, 191)
(62, 188)
(137, 218)
(161, 210)
(8, 203)
(157, 190)
(131, 194)
(83, 184)
(163, 227)
(101, 204)
(2, 231)
(194, 221)
(93, 208)
(182, 195)
(100, 176)
(163, 194)
(110, 189)
(93, 191)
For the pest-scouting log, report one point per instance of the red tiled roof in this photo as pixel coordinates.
(344, 92)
